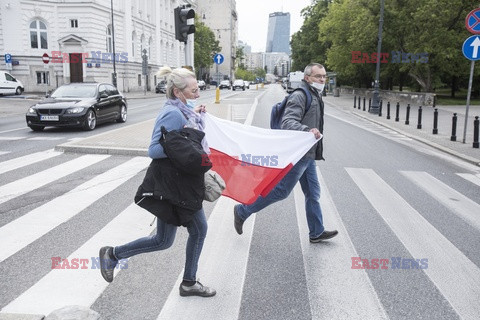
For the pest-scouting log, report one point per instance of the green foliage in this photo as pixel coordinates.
(205, 46)
(332, 30)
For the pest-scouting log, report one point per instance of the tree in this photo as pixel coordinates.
(205, 46)
(240, 57)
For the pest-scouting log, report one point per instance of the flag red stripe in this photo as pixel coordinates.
(245, 181)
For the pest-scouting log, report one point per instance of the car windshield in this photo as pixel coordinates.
(73, 91)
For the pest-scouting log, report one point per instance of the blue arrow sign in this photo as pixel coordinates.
(218, 58)
(471, 48)
(8, 58)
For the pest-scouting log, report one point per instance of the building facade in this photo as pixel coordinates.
(79, 39)
(221, 17)
(278, 36)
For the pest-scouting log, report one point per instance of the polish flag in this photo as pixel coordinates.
(253, 160)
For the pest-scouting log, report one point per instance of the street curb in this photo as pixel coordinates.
(432, 144)
(21, 316)
(124, 151)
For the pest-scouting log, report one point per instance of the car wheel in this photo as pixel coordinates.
(18, 91)
(37, 128)
(90, 121)
(123, 114)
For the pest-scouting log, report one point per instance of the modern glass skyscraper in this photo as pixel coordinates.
(278, 37)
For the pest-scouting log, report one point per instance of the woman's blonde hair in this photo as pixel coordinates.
(176, 78)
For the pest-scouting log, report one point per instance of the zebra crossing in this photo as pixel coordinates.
(336, 290)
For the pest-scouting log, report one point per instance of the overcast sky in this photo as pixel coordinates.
(253, 19)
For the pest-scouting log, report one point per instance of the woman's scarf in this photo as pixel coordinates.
(195, 120)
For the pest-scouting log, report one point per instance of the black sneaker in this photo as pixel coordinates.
(197, 289)
(324, 236)
(237, 222)
(107, 263)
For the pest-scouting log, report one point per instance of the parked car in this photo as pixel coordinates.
(161, 87)
(225, 84)
(201, 85)
(238, 84)
(81, 105)
(10, 85)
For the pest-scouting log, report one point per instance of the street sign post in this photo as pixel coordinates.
(8, 61)
(471, 47)
(46, 60)
(218, 59)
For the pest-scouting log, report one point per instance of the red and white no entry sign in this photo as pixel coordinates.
(45, 58)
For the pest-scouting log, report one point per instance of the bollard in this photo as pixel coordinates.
(217, 95)
(359, 103)
(454, 128)
(388, 110)
(380, 109)
(354, 102)
(435, 121)
(419, 122)
(475, 132)
(407, 119)
(363, 103)
(369, 104)
(397, 115)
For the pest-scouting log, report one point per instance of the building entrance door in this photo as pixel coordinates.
(76, 67)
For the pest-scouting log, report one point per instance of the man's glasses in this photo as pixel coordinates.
(320, 76)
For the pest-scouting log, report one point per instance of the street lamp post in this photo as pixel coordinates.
(375, 107)
(114, 80)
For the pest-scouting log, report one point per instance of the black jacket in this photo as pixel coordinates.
(170, 194)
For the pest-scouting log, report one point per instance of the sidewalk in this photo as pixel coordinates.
(440, 141)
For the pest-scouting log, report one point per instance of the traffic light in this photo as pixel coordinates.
(182, 29)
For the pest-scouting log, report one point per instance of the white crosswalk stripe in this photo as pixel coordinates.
(22, 186)
(461, 289)
(20, 162)
(335, 291)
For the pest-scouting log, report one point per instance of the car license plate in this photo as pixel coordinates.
(49, 118)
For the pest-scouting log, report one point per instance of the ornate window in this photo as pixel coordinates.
(38, 35)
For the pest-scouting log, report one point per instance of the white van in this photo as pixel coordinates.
(294, 80)
(8, 84)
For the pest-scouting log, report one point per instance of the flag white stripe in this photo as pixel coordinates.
(23, 161)
(454, 200)
(41, 220)
(27, 184)
(64, 287)
(223, 266)
(456, 277)
(328, 271)
(237, 139)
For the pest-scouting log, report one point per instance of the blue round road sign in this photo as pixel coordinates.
(472, 21)
(218, 58)
(8, 58)
(471, 48)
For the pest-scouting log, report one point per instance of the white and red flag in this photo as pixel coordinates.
(253, 160)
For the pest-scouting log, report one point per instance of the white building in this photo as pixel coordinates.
(221, 17)
(72, 30)
(277, 63)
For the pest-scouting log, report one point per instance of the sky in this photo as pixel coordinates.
(253, 19)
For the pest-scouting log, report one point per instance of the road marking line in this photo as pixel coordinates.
(456, 277)
(11, 138)
(222, 265)
(21, 232)
(45, 138)
(473, 178)
(4, 152)
(29, 159)
(452, 199)
(27, 184)
(329, 276)
(64, 287)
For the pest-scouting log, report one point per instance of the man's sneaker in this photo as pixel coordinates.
(237, 221)
(197, 289)
(324, 236)
(107, 263)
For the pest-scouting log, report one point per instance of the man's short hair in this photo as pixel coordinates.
(308, 69)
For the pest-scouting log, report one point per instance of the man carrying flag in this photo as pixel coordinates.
(295, 118)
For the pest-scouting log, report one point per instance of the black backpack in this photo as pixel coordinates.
(279, 109)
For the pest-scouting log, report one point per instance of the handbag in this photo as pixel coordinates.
(184, 148)
(214, 185)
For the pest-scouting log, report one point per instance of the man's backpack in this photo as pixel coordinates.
(279, 109)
